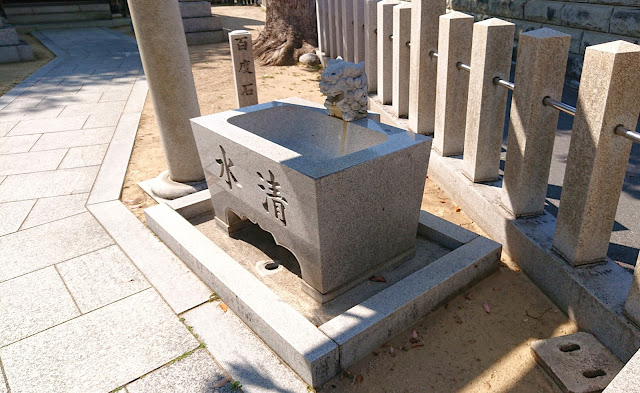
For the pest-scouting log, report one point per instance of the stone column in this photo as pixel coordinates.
(331, 28)
(371, 43)
(338, 27)
(358, 31)
(490, 57)
(424, 39)
(454, 46)
(347, 30)
(385, 50)
(542, 61)
(165, 58)
(609, 96)
(401, 53)
(244, 72)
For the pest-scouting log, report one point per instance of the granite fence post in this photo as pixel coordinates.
(542, 60)
(632, 305)
(385, 50)
(490, 58)
(424, 39)
(337, 22)
(166, 63)
(331, 28)
(454, 46)
(358, 31)
(371, 43)
(244, 73)
(401, 53)
(609, 96)
(320, 5)
(347, 29)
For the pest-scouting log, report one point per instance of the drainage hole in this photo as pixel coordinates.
(271, 265)
(569, 347)
(594, 373)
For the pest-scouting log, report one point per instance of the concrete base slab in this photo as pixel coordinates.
(317, 352)
(578, 363)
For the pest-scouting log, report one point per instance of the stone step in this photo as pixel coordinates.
(35, 9)
(193, 9)
(205, 37)
(74, 24)
(22, 19)
(15, 53)
(199, 24)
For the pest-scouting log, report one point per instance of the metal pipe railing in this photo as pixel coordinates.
(461, 66)
(632, 135)
(501, 82)
(561, 106)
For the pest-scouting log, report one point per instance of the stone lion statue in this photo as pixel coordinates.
(345, 85)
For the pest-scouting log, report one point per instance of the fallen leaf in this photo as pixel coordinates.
(458, 209)
(133, 207)
(222, 382)
(405, 349)
(223, 306)
(347, 374)
(496, 289)
(486, 307)
(391, 350)
(414, 334)
(525, 320)
(378, 279)
(417, 345)
(359, 378)
(467, 296)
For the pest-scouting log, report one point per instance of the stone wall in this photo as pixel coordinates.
(589, 22)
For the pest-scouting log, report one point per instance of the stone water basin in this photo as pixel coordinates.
(344, 198)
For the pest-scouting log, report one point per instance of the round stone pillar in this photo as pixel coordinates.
(165, 59)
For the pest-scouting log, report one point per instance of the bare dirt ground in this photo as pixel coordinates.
(466, 349)
(13, 73)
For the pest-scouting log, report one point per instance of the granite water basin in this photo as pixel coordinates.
(344, 198)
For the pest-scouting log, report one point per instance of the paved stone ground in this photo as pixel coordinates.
(90, 300)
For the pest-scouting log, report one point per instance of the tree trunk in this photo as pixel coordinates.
(290, 31)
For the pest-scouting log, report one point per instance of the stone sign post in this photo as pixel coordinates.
(244, 72)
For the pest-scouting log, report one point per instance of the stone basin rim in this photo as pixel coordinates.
(397, 139)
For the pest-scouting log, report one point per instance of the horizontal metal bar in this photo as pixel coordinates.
(391, 37)
(561, 106)
(501, 82)
(462, 66)
(433, 54)
(634, 136)
(409, 44)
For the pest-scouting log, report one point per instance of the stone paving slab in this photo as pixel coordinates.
(90, 109)
(31, 113)
(12, 214)
(35, 248)
(84, 156)
(17, 144)
(39, 126)
(99, 351)
(24, 102)
(178, 285)
(32, 303)
(14, 164)
(5, 126)
(101, 277)
(47, 184)
(3, 386)
(196, 373)
(55, 208)
(63, 100)
(66, 139)
(246, 357)
(102, 120)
